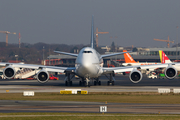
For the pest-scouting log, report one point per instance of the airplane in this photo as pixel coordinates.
(164, 60)
(129, 61)
(88, 65)
(163, 57)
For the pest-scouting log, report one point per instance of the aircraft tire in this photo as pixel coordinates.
(66, 83)
(95, 83)
(84, 84)
(80, 83)
(113, 83)
(70, 83)
(108, 83)
(89, 84)
(99, 82)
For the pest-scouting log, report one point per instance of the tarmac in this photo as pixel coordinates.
(12, 106)
(122, 84)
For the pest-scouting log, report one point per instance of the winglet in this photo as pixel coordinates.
(128, 58)
(92, 32)
(163, 57)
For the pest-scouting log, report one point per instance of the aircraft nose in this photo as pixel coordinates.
(86, 65)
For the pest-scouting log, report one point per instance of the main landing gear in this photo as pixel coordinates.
(68, 78)
(111, 79)
(97, 82)
(86, 82)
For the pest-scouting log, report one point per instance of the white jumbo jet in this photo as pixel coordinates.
(88, 65)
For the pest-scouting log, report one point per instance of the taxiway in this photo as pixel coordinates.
(122, 84)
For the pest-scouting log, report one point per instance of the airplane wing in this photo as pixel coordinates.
(31, 66)
(113, 54)
(41, 71)
(65, 53)
(136, 76)
(138, 67)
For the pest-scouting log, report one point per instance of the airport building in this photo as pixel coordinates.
(155, 51)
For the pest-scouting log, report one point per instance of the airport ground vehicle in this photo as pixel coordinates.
(152, 76)
(162, 75)
(1, 75)
(51, 77)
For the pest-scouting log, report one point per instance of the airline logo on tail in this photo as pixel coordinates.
(128, 58)
(163, 57)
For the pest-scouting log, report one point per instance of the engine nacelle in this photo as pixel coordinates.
(135, 76)
(170, 72)
(9, 72)
(42, 76)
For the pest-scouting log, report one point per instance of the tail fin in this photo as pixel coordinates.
(160, 55)
(92, 32)
(163, 57)
(128, 58)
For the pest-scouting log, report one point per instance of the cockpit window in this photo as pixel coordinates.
(87, 51)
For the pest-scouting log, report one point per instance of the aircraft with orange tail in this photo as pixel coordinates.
(129, 61)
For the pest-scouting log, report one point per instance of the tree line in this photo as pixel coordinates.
(33, 53)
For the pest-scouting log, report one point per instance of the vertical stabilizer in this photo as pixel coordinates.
(92, 32)
(163, 57)
(160, 55)
(128, 58)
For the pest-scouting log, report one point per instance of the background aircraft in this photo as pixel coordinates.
(129, 61)
(163, 57)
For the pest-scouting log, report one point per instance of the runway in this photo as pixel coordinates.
(122, 84)
(10, 106)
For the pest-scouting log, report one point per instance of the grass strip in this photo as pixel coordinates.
(82, 116)
(115, 97)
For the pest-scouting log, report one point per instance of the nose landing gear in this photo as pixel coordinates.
(85, 82)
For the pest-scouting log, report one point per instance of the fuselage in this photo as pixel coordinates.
(89, 63)
(139, 63)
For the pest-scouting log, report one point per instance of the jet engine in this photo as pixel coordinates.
(9, 72)
(170, 72)
(42, 76)
(135, 76)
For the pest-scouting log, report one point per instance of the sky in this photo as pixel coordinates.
(129, 22)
